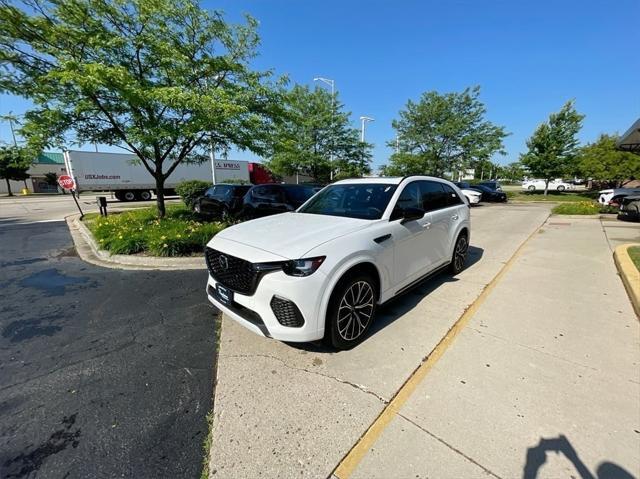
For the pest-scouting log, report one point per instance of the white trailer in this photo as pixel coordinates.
(127, 177)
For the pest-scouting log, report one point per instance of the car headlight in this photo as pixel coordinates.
(303, 267)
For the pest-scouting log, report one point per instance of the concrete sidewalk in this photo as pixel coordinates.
(294, 411)
(550, 363)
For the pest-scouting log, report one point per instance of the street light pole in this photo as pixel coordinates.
(332, 84)
(364, 120)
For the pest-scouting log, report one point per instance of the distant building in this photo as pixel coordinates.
(46, 162)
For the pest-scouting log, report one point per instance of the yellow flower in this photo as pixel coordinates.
(119, 236)
(163, 237)
(178, 236)
(165, 245)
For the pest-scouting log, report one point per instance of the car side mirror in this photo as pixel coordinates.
(409, 214)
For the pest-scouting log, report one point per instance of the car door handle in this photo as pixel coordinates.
(454, 217)
(426, 225)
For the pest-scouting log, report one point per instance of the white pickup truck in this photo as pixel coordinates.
(127, 177)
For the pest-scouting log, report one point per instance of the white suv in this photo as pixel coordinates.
(321, 271)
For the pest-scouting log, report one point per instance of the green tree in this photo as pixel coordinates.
(513, 171)
(554, 145)
(14, 164)
(601, 161)
(444, 133)
(315, 127)
(161, 78)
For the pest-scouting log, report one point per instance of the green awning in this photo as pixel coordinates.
(48, 158)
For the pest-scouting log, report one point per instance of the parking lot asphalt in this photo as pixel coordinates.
(103, 373)
(284, 410)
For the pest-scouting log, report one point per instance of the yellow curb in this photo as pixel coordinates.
(350, 462)
(629, 274)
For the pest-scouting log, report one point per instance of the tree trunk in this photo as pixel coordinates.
(546, 187)
(160, 195)
(10, 193)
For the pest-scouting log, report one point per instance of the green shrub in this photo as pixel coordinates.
(577, 208)
(190, 190)
(180, 233)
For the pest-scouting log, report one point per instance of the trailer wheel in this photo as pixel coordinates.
(118, 195)
(143, 195)
(129, 196)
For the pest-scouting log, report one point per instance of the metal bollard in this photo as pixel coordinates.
(102, 205)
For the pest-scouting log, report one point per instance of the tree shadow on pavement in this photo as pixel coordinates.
(537, 456)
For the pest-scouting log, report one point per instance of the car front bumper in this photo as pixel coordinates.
(255, 312)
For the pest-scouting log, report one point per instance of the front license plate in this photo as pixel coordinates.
(225, 295)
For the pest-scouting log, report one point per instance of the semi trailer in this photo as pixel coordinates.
(129, 180)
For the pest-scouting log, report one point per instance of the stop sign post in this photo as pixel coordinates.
(66, 182)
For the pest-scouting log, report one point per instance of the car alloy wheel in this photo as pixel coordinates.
(459, 254)
(355, 310)
(532, 188)
(561, 188)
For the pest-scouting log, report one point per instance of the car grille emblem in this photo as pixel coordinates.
(223, 262)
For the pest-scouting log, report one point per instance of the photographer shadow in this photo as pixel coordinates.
(537, 456)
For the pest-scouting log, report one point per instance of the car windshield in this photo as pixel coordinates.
(355, 200)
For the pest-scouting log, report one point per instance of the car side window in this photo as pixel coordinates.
(452, 197)
(410, 197)
(433, 195)
(269, 193)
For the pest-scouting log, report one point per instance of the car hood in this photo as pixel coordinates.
(291, 235)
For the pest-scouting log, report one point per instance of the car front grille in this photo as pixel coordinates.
(235, 273)
(286, 312)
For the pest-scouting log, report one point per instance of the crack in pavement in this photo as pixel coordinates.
(445, 443)
(359, 387)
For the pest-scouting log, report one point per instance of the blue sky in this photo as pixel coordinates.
(528, 57)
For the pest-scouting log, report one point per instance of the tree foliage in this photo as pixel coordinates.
(443, 132)
(554, 145)
(160, 78)
(14, 164)
(601, 161)
(316, 126)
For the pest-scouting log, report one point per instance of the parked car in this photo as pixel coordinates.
(630, 208)
(322, 271)
(221, 201)
(473, 197)
(554, 185)
(607, 196)
(494, 185)
(490, 195)
(265, 200)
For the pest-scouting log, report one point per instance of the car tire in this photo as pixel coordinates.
(353, 301)
(561, 188)
(531, 188)
(459, 256)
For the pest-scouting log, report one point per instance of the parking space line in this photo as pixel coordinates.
(353, 458)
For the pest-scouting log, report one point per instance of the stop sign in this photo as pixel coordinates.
(66, 182)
